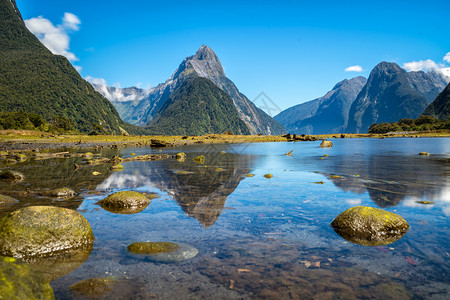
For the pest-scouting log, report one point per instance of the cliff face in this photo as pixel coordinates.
(389, 95)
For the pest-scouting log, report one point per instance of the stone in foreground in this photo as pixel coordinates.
(11, 175)
(43, 231)
(326, 144)
(19, 281)
(165, 252)
(370, 226)
(125, 202)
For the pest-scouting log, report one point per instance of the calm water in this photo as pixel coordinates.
(258, 237)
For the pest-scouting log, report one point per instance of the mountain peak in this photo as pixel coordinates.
(204, 52)
(387, 67)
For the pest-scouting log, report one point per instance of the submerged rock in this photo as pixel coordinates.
(7, 200)
(424, 153)
(326, 144)
(268, 176)
(19, 157)
(19, 281)
(125, 202)
(11, 175)
(118, 167)
(61, 192)
(165, 252)
(43, 230)
(181, 156)
(200, 159)
(370, 226)
(94, 287)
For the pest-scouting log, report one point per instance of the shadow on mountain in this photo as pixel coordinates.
(201, 190)
(390, 179)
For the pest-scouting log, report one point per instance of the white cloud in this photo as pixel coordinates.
(71, 21)
(116, 93)
(426, 65)
(447, 57)
(55, 38)
(430, 65)
(356, 68)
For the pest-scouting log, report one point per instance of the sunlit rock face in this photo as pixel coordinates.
(370, 226)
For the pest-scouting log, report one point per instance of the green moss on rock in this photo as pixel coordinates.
(43, 230)
(152, 248)
(118, 167)
(200, 159)
(165, 252)
(326, 144)
(126, 202)
(94, 287)
(370, 226)
(181, 156)
(18, 281)
(268, 176)
(61, 192)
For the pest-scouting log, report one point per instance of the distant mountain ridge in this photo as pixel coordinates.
(327, 114)
(34, 80)
(205, 64)
(353, 105)
(392, 94)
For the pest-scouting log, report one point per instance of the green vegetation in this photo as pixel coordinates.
(33, 80)
(22, 120)
(422, 123)
(440, 107)
(198, 107)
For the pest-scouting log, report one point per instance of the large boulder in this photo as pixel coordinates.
(43, 230)
(19, 281)
(370, 226)
(125, 202)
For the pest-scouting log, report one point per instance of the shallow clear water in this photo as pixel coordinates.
(259, 237)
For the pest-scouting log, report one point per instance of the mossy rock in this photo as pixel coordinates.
(7, 200)
(125, 202)
(3, 153)
(94, 287)
(19, 281)
(118, 167)
(60, 192)
(424, 153)
(19, 157)
(11, 161)
(43, 231)
(165, 252)
(181, 156)
(88, 155)
(370, 226)
(326, 144)
(268, 176)
(200, 159)
(249, 175)
(11, 175)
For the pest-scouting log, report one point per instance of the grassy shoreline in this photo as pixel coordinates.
(29, 140)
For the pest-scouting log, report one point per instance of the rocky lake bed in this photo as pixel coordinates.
(204, 220)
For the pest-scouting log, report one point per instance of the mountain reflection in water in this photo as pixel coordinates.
(201, 190)
(389, 179)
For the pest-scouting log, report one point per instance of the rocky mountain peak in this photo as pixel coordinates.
(385, 67)
(205, 63)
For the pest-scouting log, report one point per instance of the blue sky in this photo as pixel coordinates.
(293, 51)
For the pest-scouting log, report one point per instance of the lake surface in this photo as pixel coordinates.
(259, 237)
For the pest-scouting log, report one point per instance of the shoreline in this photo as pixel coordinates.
(28, 140)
